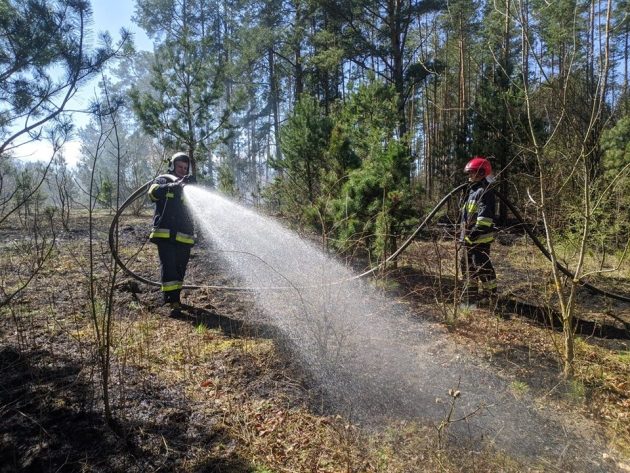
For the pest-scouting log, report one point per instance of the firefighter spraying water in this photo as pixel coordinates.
(173, 228)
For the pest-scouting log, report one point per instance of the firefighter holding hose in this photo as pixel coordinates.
(477, 233)
(173, 228)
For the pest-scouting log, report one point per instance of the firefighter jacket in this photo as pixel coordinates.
(477, 224)
(172, 220)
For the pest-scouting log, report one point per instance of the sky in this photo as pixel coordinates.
(111, 15)
(108, 15)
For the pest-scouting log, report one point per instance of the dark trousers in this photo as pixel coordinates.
(173, 262)
(477, 268)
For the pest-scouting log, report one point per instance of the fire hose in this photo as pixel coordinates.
(142, 190)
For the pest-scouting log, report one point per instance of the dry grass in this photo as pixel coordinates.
(532, 353)
(257, 411)
(278, 431)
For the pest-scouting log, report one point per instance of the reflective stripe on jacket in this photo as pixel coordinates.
(168, 233)
(171, 220)
(478, 214)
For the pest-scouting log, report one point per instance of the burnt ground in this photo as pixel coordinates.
(213, 391)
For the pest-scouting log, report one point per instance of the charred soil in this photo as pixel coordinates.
(213, 390)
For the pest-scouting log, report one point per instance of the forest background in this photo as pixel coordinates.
(348, 119)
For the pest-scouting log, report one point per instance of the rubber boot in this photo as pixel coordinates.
(176, 309)
(469, 298)
(490, 301)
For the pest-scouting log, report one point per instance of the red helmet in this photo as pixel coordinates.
(479, 165)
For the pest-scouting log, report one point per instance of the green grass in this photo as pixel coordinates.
(623, 356)
(262, 469)
(201, 329)
(576, 390)
(519, 388)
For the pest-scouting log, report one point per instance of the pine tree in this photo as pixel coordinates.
(377, 38)
(304, 140)
(44, 58)
(496, 107)
(183, 107)
(373, 205)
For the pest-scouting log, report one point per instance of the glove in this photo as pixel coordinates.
(189, 179)
(174, 187)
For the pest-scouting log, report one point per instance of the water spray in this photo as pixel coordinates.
(370, 356)
(142, 190)
(373, 360)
